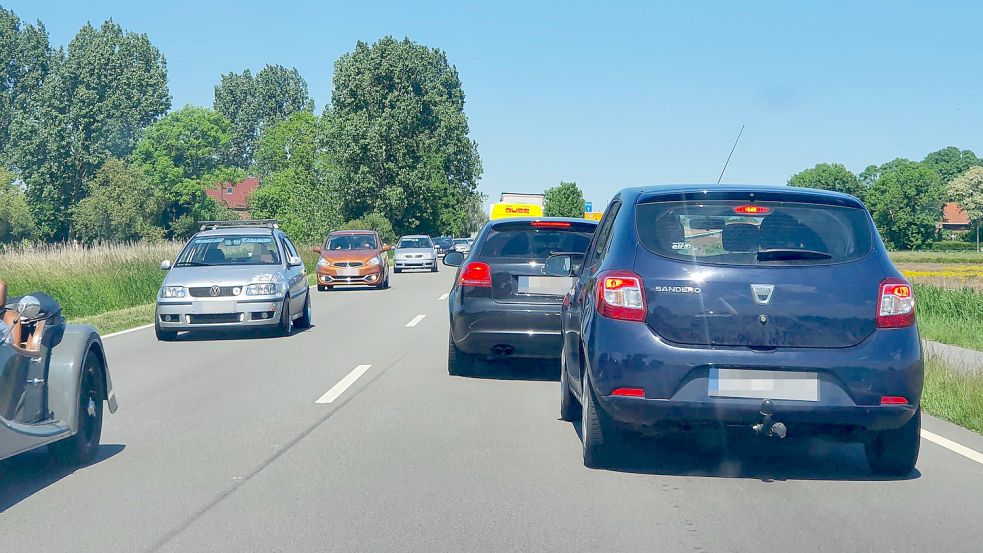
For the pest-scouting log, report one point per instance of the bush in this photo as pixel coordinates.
(953, 246)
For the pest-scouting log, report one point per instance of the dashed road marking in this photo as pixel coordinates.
(343, 384)
(443, 297)
(416, 320)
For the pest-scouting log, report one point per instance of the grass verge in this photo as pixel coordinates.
(121, 319)
(936, 257)
(953, 396)
(952, 317)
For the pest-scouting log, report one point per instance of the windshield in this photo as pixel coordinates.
(352, 242)
(737, 233)
(229, 250)
(411, 243)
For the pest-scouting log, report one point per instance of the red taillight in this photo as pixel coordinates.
(620, 295)
(476, 275)
(629, 392)
(752, 209)
(895, 304)
(551, 224)
(893, 400)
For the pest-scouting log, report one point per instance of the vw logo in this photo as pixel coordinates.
(214, 291)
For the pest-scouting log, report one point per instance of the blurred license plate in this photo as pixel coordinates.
(210, 307)
(545, 286)
(761, 384)
(347, 272)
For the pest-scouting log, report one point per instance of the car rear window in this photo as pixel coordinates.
(525, 241)
(761, 233)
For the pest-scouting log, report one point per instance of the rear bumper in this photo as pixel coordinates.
(530, 330)
(676, 379)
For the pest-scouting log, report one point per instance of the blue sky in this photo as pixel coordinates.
(617, 94)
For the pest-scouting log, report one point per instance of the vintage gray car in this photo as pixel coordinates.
(234, 274)
(53, 381)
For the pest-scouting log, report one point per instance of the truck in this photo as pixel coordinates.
(514, 204)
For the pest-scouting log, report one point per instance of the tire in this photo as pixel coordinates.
(569, 406)
(163, 335)
(322, 288)
(305, 320)
(283, 328)
(81, 449)
(434, 268)
(459, 363)
(894, 452)
(603, 442)
(397, 270)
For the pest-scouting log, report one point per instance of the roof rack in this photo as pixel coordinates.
(239, 223)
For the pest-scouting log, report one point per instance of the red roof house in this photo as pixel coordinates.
(235, 195)
(953, 217)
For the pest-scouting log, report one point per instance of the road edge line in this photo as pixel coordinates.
(952, 446)
(127, 331)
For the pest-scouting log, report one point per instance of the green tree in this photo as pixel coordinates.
(565, 200)
(96, 97)
(26, 57)
(376, 222)
(253, 104)
(299, 179)
(967, 189)
(829, 176)
(16, 222)
(182, 154)
(951, 162)
(122, 205)
(906, 202)
(400, 134)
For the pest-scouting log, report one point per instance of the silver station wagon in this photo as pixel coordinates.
(234, 274)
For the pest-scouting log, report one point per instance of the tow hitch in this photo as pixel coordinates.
(768, 427)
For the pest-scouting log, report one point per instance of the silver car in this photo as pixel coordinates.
(415, 252)
(234, 274)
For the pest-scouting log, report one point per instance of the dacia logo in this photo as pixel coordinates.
(679, 289)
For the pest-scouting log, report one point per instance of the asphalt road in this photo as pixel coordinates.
(220, 445)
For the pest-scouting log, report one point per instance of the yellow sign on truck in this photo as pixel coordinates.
(593, 215)
(502, 210)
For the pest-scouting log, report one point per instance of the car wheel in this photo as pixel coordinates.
(459, 363)
(81, 448)
(322, 288)
(434, 268)
(305, 320)
(602, 439)
(569, 406)
(283, 329)
(164, 335)
(894, 452)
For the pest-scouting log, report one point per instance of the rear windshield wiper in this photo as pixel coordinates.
(779, 254)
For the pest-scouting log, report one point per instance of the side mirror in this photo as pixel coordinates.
(316, 249)
(28, 307)
(165, 265)
(454, 259)
(294, 261)
(558, 265)
(386, 247)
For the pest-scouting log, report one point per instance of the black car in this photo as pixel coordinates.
(444, 244)
(775, 309)
(502, 305)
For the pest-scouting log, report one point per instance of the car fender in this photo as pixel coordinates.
(65, 373)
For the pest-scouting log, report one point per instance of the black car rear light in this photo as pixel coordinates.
(476, 275)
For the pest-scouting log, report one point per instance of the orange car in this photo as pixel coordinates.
(352, 258)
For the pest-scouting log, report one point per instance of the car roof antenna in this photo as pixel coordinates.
(726, 163)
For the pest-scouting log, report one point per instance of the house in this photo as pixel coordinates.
(235, 196)
(953, 218)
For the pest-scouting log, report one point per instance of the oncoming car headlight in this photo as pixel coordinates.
(172, 292)
(262, 289)
(321, 262)
(375, 261)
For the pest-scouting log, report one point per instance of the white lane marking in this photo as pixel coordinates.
(966, 452)
(343, 384)
(443, 297)
(127, 331)
(416, 320)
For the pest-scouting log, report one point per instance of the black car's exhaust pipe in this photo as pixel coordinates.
(503, 351)
(768, 427)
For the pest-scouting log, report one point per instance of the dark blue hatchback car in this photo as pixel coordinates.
(776, 309)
